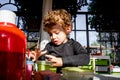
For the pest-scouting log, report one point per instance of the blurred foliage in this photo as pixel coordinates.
(31, 12)
(106, 15)
(70, 5)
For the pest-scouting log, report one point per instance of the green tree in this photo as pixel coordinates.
(106, 17)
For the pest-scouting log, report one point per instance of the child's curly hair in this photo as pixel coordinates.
(57, 17)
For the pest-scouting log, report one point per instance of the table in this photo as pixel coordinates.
(106, 77)
(54, 76)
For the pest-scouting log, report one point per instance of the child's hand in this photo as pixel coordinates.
(36, 54)
(54, 61)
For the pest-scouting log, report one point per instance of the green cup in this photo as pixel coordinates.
(52, 69)
(43, 65)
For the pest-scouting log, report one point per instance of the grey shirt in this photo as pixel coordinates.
(71, 52)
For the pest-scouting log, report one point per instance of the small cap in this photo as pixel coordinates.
(7, 16)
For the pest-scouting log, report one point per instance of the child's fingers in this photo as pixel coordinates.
(43, 52)
(37, 50)
(49, 56)
(33, 55)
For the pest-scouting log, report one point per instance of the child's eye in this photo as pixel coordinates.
(57, 32)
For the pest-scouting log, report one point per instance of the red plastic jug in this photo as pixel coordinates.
(12, 48)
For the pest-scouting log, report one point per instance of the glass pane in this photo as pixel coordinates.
(33, 36)
(72, 35)
(80, 22)
(9, 7)
(4, 1)
(81, 37)
(93, 38)
(73, 26)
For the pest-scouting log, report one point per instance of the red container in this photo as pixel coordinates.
(12, 49)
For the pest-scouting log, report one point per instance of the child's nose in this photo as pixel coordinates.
(54, 35)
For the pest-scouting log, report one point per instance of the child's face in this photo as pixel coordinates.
(57, 35)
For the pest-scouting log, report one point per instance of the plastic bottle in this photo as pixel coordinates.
(12, 48)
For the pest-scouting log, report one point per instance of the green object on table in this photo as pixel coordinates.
(77, 69)
(53, 69)
(101, 62)
(43, 65)
(76, 73)
(89, 66)
(86, 67)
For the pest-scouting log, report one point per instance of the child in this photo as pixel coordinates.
(61, 51)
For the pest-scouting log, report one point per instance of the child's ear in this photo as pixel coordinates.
(68, 29)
